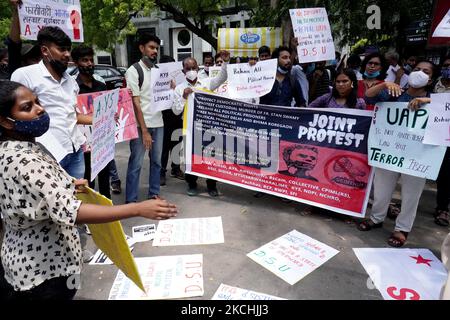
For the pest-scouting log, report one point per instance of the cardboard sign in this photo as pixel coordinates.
(437, 131)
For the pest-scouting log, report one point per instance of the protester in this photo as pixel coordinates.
(208, 61)
(443, 84)
(320, 81)
(21, 54)
(373, 68)
(116, 187)
(385, 181)
(354, 63)
(182, 92)
(287, 85)
(264, 53)
(395, 73)
(57, 91)
(83, 57)
(410, 64)
(172, 123)
(41, 246)
(218, 60)
(150, 121)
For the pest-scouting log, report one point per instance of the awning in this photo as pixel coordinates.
(245, 42)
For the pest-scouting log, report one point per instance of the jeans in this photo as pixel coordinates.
(135, 164)
(113, 172)
(73, 163)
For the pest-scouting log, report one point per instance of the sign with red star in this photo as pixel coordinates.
(421, 260)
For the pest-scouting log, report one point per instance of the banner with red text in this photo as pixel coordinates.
(315, 156)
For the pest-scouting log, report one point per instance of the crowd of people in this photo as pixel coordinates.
(41, 245)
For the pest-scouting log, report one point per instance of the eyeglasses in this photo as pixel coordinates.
(373, 63)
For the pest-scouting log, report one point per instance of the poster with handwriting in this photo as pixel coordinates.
(292, 256)
(226, 292)
(193, 231)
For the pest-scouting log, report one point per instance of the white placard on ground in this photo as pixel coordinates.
(404, 274)
(144, 233)
(165, 277)
(194, 231)
(100, 258)
(226, 292)
(292, 256)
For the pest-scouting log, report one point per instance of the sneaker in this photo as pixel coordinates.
(177, 173)
(115, 187)
(192, 191)
(213, 193)
(162, 180)
(87, 256)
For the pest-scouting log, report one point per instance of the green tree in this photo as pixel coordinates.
(5, 20)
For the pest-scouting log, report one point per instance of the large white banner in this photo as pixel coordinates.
(312, 28)
(226, 292)
(403, 274)
(193, 231)
(292, 256)
(65, 14)
(396, 141)
(245, 81)
(103, 131)
(437, 131)
(165, 277)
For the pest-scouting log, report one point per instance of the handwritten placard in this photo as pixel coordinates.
(161, 79)
(396, 141)
(165, 277)
(312, 28)
(245, 81)
(226, 292)
(104, 124)
(65, 14)
(292, 256)
(194, 231)
(437, 131)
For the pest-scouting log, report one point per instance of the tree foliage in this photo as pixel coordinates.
(5, 20)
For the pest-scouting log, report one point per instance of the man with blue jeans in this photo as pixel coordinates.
(150, 121)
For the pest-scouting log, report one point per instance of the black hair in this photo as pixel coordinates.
(435, 73)
(146, 37)
(354, 60)
(3, 53)
(56, 35)
(445, 58)
(208, 56)
(8, 96)
(264, 49)
(165, 58)
(384, 64)
(81, 51)
(218, 55)
(277, 51)
(352, 98)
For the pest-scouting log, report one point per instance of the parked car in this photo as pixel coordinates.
(111, 75)
(122, 70)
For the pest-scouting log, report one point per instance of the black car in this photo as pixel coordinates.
(112, 76)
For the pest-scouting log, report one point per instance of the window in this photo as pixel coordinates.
(184, 38)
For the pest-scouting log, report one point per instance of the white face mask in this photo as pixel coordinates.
(191, 75)
(418, 79)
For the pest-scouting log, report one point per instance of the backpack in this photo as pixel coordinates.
(140, 72)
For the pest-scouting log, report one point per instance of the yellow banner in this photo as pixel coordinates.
(245, 42)
(110, 238)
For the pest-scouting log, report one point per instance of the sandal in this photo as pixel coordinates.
(397, 241)
(368, 224)
(442, 218)
(394, 210)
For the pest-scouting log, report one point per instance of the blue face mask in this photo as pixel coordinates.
(373, 75)
(35, 128)
(445, 73)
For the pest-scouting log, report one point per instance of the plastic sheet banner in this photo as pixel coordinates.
(110, 238)
(245, 42)
(315, 156)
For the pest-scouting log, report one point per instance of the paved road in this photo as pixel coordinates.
(249, 223)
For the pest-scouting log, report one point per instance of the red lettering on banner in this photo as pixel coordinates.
(403, 294)
(27, 30)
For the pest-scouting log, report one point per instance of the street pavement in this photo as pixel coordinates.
(249, 223)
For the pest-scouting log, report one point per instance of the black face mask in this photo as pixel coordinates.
(58, 66)
(149, 62)
(86, 70)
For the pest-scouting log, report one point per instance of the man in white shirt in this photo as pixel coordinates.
(395, 73)
(182, 92)
(57, 91)
(149, 120)
(208, 61)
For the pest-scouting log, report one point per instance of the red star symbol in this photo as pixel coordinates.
(420, 259)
